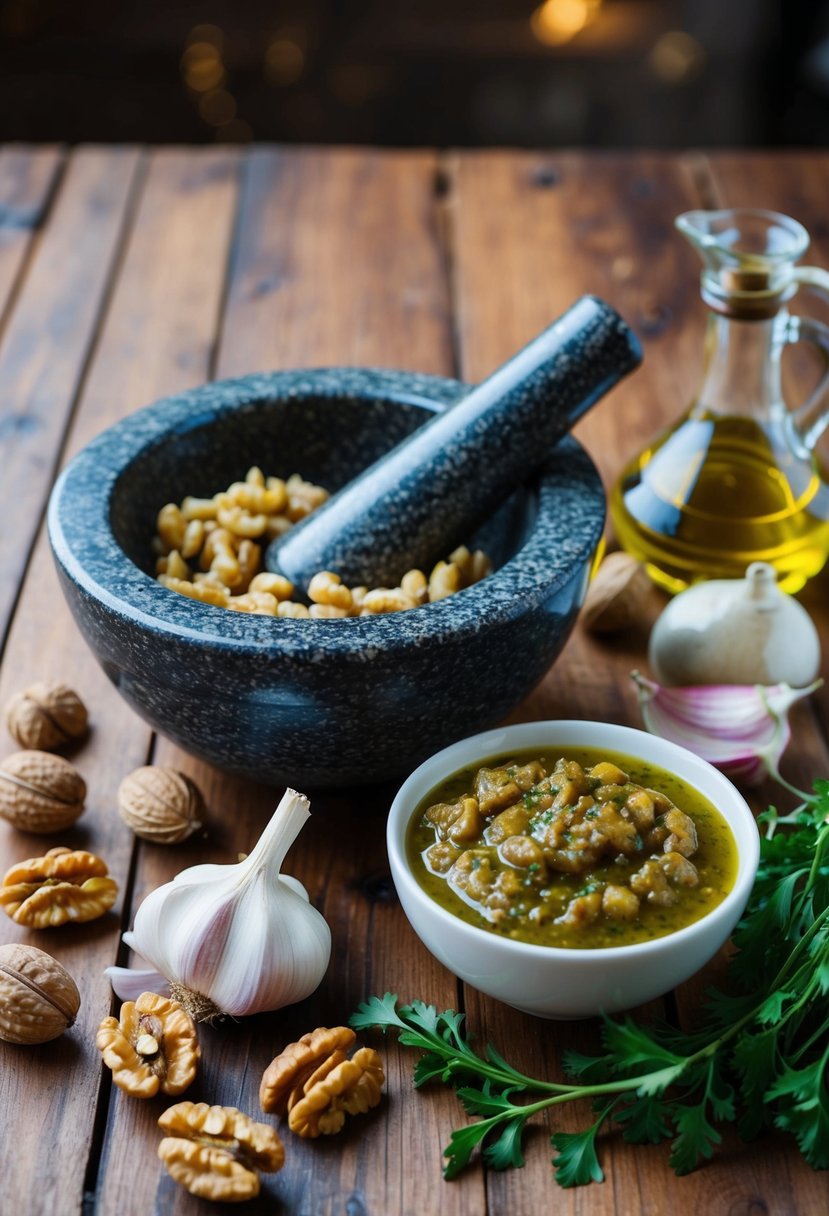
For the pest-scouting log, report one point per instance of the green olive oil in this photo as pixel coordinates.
(716, 493)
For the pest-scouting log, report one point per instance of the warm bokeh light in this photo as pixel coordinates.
(202, 67)
(558, 21)
(217, 107)
(284, 61)
(677, 57)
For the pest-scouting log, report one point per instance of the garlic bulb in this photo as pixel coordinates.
(735, 631)
(237, 939)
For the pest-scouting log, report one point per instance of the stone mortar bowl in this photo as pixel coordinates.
(310, 703)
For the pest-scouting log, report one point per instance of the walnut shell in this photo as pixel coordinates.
(160, 804)
(617, 596)
(38, 997)
(46, 717)
(40, 792)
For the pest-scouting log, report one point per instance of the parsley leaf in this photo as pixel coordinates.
(506, 1150)
(696, 1139)
(577, 1163)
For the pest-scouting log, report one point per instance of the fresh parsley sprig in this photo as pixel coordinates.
(760, 1057)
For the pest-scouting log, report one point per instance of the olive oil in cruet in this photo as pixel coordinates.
(736, 479)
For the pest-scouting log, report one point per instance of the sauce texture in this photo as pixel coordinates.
(573, 848)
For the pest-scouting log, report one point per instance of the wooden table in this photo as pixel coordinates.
(127, 274)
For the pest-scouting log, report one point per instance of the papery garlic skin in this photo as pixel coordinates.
(742, 730)
(237, 939)
(128, 983)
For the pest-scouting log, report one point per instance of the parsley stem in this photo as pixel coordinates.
(821, 845)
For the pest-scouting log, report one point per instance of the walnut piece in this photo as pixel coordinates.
(40, 792)
(160, 804)
(46, 717)
(64, 885)
(316, 1085)
(216, 1152)
(618, 595)
(293, 1066)
(152, 1047)
(38, 997)
(349, 1087)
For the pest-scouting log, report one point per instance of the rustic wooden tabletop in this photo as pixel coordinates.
(128, 274)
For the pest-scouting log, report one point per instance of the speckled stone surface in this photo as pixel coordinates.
(312, 703)
(442, 482)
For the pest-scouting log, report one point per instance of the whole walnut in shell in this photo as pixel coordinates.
(40, 792)
(38, 997)
(160, 804)
(46, 717)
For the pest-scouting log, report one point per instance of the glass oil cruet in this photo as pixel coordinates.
(736, 480)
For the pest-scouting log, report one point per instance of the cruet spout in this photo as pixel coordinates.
(749, 258)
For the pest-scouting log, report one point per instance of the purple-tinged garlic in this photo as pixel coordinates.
(742, 729)
(235, 939)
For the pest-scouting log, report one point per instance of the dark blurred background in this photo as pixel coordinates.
(659, 73)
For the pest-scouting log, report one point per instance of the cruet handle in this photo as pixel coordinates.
(810, 419)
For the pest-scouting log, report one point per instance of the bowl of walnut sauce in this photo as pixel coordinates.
(159, 529)
(571, 868)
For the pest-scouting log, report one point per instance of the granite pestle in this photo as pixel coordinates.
(430, 493)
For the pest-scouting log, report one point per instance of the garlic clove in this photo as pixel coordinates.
(128, 983)
(741, 729)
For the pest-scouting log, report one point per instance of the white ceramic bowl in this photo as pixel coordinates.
(550, 981)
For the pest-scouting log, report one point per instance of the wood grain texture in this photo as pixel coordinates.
(130, 369)
(307, 289)
(49, 337)
(339, 260)
(27, 179)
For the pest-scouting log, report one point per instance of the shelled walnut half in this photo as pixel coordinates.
(317, 1085)
(64, 885)
(217, 1152)
(40, 792)
(152, 1046)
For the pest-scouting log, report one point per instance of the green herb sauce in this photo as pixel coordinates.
(532, 912)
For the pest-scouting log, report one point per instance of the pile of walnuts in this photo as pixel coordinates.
(215, 1152)
(211, 550)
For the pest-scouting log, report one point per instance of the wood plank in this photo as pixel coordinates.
(564, 225)
(27, 179)
(308, 288)
(48, 339)
(344, 265)
(187, 206)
